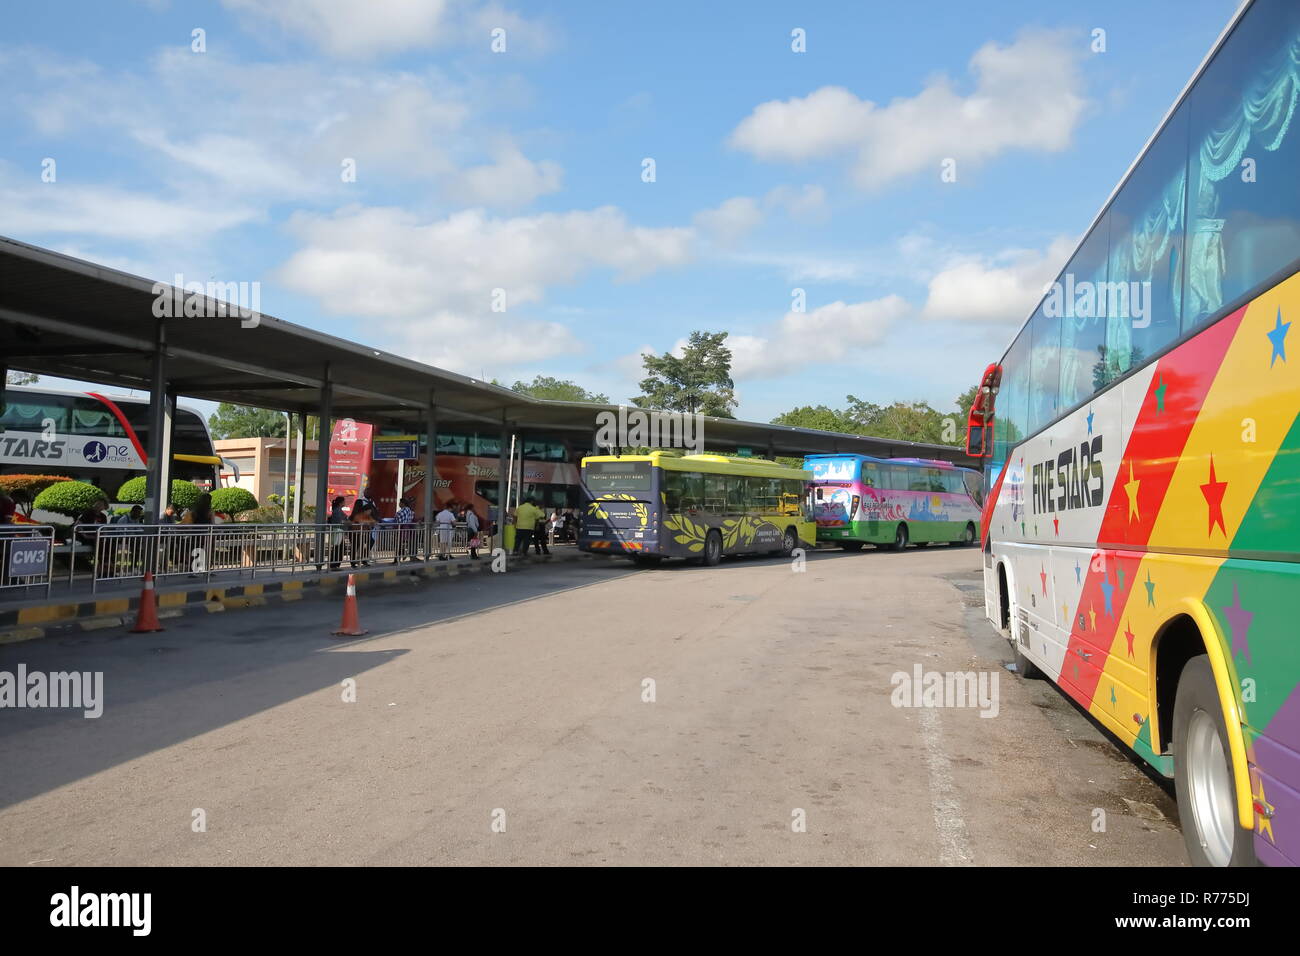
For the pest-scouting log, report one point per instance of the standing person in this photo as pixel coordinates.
(364, 518)
(199, 513)
(470, 516)
(169, 515)
(446, 523)
(8, 508)
(526, 516)
(337, 534)
(539, 533)
(406, 543)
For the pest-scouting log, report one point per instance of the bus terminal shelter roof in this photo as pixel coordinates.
(66, 317)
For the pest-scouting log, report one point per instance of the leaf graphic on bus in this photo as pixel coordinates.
(691, 534)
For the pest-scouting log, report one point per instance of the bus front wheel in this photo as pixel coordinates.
(1207, 797)
(900, 538)
(712, 549)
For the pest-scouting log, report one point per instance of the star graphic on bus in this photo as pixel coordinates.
(1161, 387)
(1213, 491)
(1129, 636)
(1131, 489)
(1108, 589)
(1278, 337)
(1078, 572)
(1090, 417)
(1151, 590)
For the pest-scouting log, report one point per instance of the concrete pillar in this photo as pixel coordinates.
(430, 472)
(323, 447)
(158, 479)
(299, 476)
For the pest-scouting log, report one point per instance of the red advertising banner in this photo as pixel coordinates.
(349, 458)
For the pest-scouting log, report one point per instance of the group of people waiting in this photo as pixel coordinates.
(533, 527)
(356, 531)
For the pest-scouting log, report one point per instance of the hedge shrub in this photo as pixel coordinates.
(68, 498)
(233, 500)
(184, 493)
(32, 484)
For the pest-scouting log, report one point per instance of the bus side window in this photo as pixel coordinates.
(672, 484)
(715, 494)
(898, 478)
(870, 474)
(935, 477)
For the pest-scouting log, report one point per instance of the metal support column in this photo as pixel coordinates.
(158, 479)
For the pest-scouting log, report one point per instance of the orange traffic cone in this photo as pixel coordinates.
(146, 618)
(350, 626)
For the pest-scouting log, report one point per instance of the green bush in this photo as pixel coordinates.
(32, 484)
(184, 494)
(271, 514)
(68, 498)
(233, 501)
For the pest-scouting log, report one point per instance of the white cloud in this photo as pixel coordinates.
(829, 333)
(510, 180)
(366, 29)
(731, 221)
(345, 28)
(1001, 289)
(1027, 95)
(42, 209)
(805, 203)
(431, 284)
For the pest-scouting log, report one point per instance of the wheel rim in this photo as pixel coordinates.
(1211, 790)
(788, 544)
(712, 546)
(970, 534)
(900, 539)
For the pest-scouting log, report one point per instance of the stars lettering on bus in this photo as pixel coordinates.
(1214, 491)
(1131, 489)
(1108, 589)
(1278, 337)
(1161, 387)
(1151, 590)
(1129, 636)
(1238, 619)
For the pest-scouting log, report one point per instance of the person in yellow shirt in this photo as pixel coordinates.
(526, 517)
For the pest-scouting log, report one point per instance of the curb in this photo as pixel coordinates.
(18, 625)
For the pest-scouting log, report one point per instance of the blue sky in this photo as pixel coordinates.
(522, 171)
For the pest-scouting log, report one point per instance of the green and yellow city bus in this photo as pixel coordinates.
(662, 505)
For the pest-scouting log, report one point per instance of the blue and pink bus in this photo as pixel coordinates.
(861, 500)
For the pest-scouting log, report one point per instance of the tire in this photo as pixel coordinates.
(1203, 780)
(900, 538)
(968, 537)
(851, 545)
(789, 542)
(712, 555)
(1026, 668)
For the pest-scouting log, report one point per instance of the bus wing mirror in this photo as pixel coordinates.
(977, 441)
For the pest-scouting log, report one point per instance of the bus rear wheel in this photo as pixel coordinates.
(712, 549)
(851, 545)
(1207, 797)
(968, 536)
(900, 538)
(789, 542)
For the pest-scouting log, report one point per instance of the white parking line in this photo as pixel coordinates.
(949, 824)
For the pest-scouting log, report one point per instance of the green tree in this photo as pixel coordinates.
(965, 400)
(698, 381)
(819, 417)
(21, 378)
(243, 421)
(546, 387)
